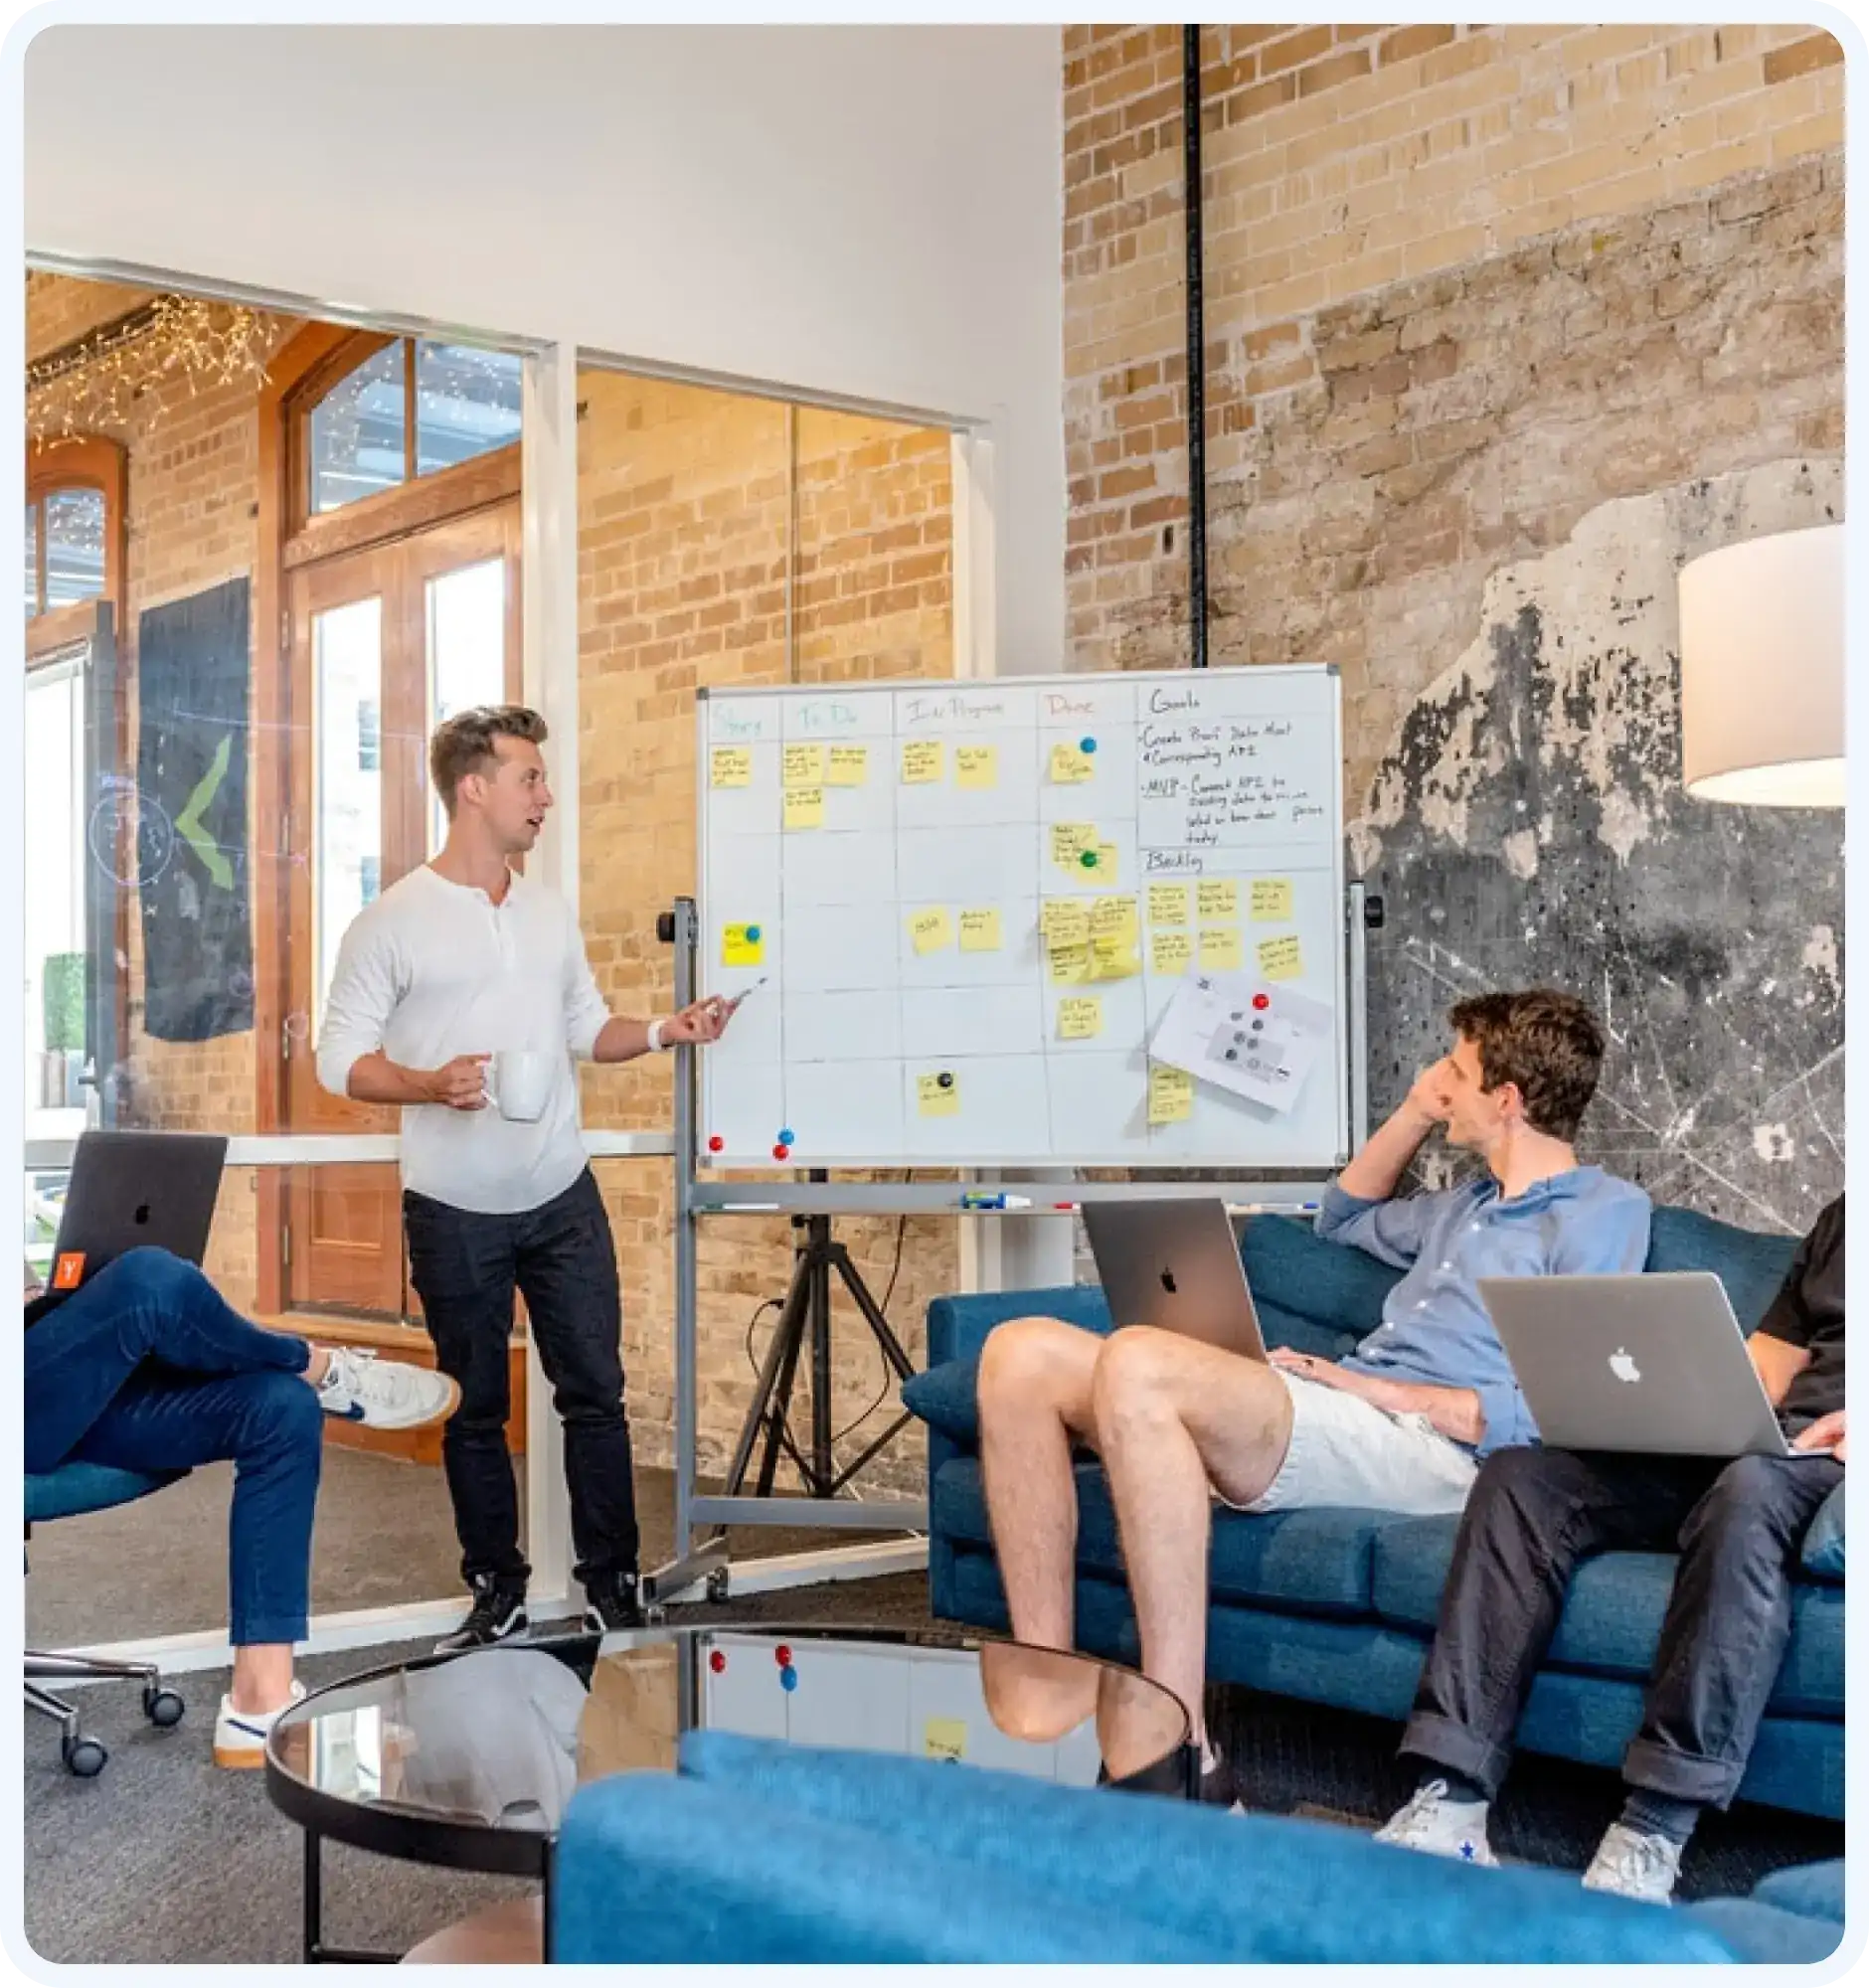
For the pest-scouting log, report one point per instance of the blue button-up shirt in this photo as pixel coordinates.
(1435, 1327)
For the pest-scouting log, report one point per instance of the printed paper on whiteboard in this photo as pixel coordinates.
(1214, 1030)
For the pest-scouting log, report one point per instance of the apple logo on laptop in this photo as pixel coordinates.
(1622, 1365)
(1168, 1282)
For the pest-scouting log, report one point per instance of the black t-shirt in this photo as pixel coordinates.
(1809, 1312)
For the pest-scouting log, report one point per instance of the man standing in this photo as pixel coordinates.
(1738, 1522)
(461, 961)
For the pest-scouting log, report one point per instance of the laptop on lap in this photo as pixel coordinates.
(1653, 1363)
(1175, 1264)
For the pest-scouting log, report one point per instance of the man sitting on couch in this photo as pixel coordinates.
(1398, 1426)
(1535, 1513)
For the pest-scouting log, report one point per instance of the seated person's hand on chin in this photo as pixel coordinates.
(1827, 1432)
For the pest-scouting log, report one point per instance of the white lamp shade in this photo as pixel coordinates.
(1761, 671)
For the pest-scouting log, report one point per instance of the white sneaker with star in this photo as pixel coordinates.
(1430, 1822)
(240, 1737)
(1635, 1865)
(384, 1394)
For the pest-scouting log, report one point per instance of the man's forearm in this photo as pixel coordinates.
(375, 1080)
(620, 1039)
(1373, 1173)
(1454, 1412)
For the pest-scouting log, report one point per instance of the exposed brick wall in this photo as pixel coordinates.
(1340, 161)
(688, 523)
(60, 309)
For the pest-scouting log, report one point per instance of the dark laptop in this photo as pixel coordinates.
(133, 1191)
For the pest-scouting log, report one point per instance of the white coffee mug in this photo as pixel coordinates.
(518, 1084)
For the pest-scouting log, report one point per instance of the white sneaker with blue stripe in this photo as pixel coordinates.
(240, 1737)
(384, 1394)
(1431, 1822)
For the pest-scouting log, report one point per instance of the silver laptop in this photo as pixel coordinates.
(1652, 1363)
(1175, 1264)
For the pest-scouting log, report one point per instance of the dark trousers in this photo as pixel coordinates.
(1532, 1516)
(147, 1368)
(561, 1260)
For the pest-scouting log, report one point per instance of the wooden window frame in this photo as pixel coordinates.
(81, 462)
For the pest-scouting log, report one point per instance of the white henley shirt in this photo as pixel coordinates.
(433, 970)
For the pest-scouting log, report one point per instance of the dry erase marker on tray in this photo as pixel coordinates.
(972, 1201)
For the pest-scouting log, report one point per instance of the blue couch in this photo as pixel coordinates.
(1337, 1606)
(757, 1852)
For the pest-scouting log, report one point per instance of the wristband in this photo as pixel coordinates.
(655, 1037)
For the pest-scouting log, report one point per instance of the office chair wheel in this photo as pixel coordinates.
(83, 1756)
(162, 1707)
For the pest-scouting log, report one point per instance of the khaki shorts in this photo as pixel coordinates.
(1344, 1450)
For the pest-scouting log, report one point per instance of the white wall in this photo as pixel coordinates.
(872, 211)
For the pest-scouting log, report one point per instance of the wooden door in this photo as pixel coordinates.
(385, 642)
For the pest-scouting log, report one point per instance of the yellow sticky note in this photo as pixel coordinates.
(849, 767)
(1113, 917)
(1105, 861)
(1271, 899)
(1220, 946)
(1069, 841)
(937, 1094)
(1114, 959)
(730, 766)
(945, 1740)
(979, 932)
(803, 766)
(1217, 900)
(1069, 964)
(976, 766)
(1279, 958)
(931, 930)
(1079, 1016)
(1170, 1095)
(1065, 921)
(1167, 904)
(922, 762)
(742, 946)
(1170, 951)
(1070, 767)
(804, 807)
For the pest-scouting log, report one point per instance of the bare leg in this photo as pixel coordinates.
(1176, 1421)
(1035, 1399)
(263, 1677)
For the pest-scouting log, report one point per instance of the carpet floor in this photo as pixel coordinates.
(165, 1858)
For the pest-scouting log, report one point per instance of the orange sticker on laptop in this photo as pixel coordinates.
(69, 1273)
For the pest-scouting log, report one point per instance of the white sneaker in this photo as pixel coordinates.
(1432, 1823)
(1635, 1865)
(385, 1394)
(240, 1737)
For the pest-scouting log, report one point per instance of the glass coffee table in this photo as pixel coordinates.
(467, 1762)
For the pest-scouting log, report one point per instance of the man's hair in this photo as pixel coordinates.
(1549, 1044)
(464, 743)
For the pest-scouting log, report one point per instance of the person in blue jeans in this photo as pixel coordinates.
(146, 1367)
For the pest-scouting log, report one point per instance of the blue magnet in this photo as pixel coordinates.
(787, 1137)
(753, 933)
(788, 1679)
(1087, 744)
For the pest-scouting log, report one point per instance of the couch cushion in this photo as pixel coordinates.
(1328, 1283)
(1612, 1618)
(1751, 1267)
(1814, 1890)
(1765, 1936)
(1824, 1545)
(948, 1398)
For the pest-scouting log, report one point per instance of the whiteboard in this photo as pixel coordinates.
(900, 872)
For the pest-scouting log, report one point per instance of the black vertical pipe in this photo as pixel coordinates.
(1197, 347)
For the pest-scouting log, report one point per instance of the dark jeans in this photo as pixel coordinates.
(1532, 1516)
(561, 1260)
(147, 1368)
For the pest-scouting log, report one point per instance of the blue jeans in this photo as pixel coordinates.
(147, 1368)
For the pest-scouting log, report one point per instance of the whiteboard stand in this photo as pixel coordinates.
(707, 1561)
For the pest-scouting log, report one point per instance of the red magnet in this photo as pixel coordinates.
(717, 1662)
(782, 1152)
(782, 1656)
(1262, 1000)
(717, 1144)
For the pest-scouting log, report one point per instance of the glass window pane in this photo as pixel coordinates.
(466, 653)
(73, 546)
(56, 1017)
(347, 835)
(466, 403)
(32, 561)
(357, 430)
